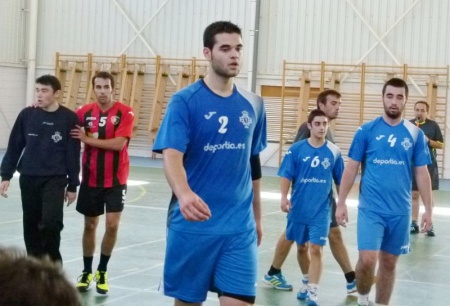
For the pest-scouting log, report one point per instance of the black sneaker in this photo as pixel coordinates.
(414, 229)
(431, 232)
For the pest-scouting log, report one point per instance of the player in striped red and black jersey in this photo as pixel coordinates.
(106, 129)
(102, 167)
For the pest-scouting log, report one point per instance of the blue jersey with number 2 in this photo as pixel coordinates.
(217, 136)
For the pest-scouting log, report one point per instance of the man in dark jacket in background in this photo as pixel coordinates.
(48, 159)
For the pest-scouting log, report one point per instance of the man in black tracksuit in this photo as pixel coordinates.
(48, 160)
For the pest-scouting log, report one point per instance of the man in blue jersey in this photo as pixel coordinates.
(208, 135)
(329, 102)
(394, 146)
(310, 165)
(435, 141)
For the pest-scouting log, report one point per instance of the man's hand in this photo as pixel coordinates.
(341, 214)
(4, 188)
(193, 208)
(78, 133)
(70, 197)
(286, 205)
(426, 222)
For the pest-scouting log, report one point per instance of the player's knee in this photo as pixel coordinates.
(112, 227)
(90, 225)
(302, 248)
(315, 249)
(367, 261)
(387, 265)
(387, 261)
(335, 235)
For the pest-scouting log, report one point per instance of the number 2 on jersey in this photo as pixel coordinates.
(223, 120)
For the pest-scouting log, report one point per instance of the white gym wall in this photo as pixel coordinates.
(377, 32)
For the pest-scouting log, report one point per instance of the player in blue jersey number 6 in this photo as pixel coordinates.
(310, 166)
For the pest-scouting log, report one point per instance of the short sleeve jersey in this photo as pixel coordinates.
(106, 168)
(387, 154)
(311, 171)
(217, 136)
(304, 133)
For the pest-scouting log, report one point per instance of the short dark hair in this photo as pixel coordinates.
(322, 97)
(103, 75)
(218, 27)
(396, 82)
(423, 102)
(315, 113)
(28, 281)
(50, 80)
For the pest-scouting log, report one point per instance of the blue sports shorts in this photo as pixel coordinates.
(387, 233)
(302, 233)
(198, 263)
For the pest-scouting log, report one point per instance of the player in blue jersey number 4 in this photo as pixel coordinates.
(386, 145)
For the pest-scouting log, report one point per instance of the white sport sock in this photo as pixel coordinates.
(363, 299)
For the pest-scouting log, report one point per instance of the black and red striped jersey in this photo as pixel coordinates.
(106, 168)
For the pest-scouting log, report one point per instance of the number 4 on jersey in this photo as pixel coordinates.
(392, 140)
